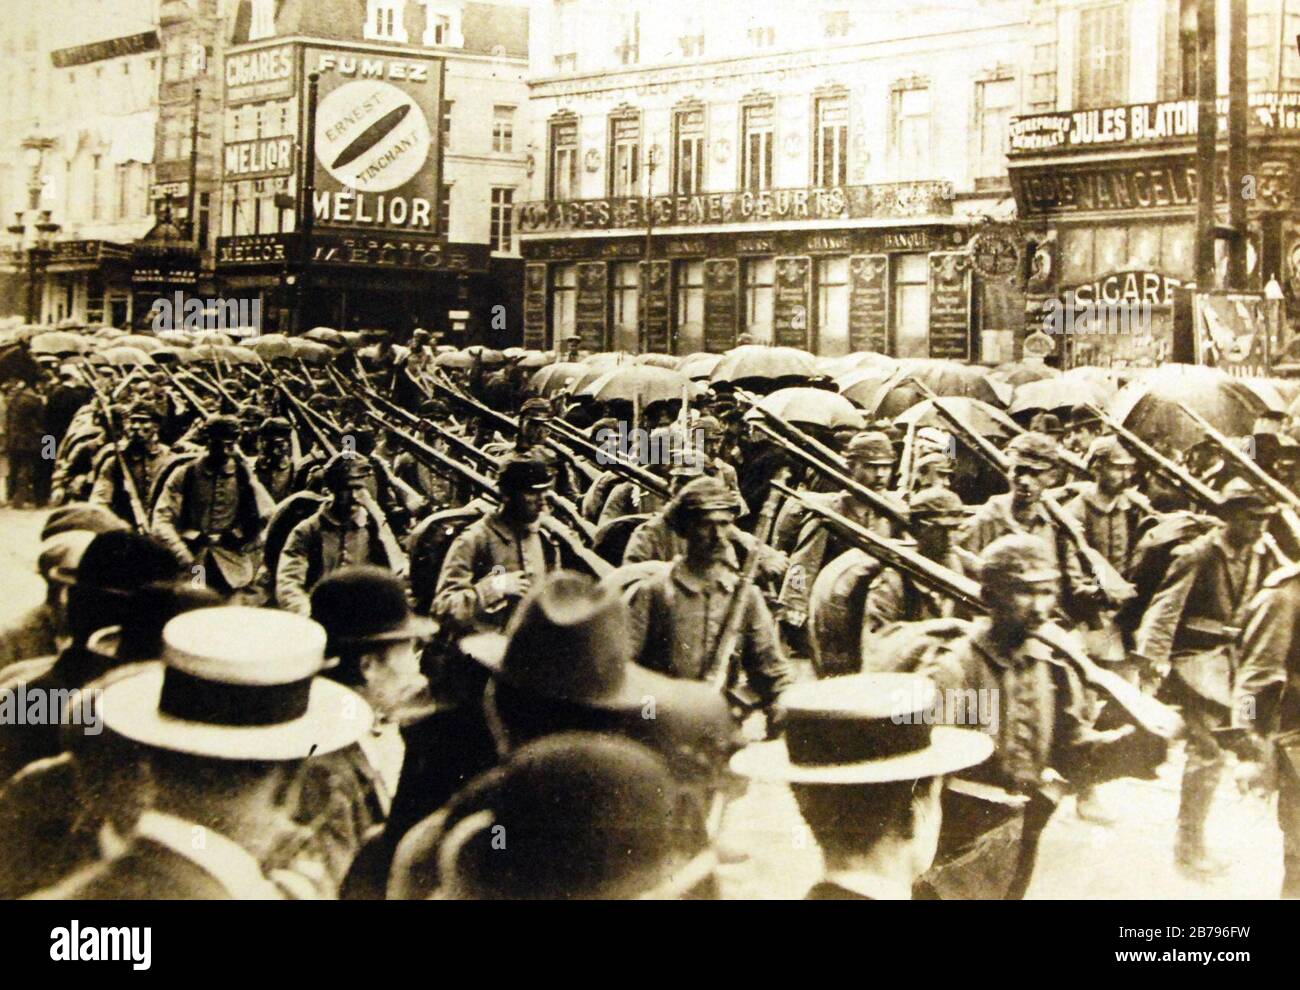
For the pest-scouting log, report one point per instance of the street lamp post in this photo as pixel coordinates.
(306, 210)
(651, 163)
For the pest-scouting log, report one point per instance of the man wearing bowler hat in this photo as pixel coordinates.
(211, 512)
(866, 765)
(491, 565)
(225, 722)
(1187, 635)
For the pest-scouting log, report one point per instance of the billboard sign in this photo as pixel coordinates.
(376, 156)
(260, 74)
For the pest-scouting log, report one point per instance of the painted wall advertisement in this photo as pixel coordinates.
(377, 161)
(1233, 331)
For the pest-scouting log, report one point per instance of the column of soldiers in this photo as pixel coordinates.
(348, 620)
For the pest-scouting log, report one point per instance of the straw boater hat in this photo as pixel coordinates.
(862, 729)
(238, 683)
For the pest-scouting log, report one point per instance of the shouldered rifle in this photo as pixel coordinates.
(1150, 714)
(722, 665)
(1170, 470)
(190, 397)
(140, 518)
(1112, 584)
(437, 460)
(907, 462)
(1255, 474)
(824, 461)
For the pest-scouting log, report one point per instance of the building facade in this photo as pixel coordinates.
(412, 225)
(802, 174)
(80, 110)
(1103, 163)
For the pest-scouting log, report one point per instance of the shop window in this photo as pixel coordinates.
(759, 281)
(757, 139)
(1102, 70)
(688, 283)
(564, 293)
(832, 285)
(911, 309)
(625, 286)
(832, 147)
(688, 155)
(564, 159)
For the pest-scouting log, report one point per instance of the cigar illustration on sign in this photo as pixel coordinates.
(371, 136)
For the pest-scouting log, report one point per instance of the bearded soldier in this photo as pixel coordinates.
(144, 457)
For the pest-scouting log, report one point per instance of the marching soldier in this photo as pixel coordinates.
(936, 515)
(1189, 630)
(492, 564)
(212, 510)
(677, 615)
(871, 458)
(145, 458)
(346, 530)
(274, 466)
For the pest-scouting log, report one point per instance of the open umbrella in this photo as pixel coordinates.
(606, 359)
(699, 366)
(842, 364)
(325, 335)
(212, 337)
(815, 406)
(640, 381)
(126, 356)
(1023, 372)
(311, 351)
(108, 333)
(980, 416)
(866, 386)
(1149, 405)
(175, 338)
(466, 358)
(760, 361)
(555, 377)
(536, 359)
(146, 342)
(276, 345)
(657, 360)
(170, 355)
(1058, 393)
(59, 342)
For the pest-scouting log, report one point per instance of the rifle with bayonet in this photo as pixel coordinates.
(1158, 463)
(140, 517)
(1110, 582)
(190, 397)
(1150, 714)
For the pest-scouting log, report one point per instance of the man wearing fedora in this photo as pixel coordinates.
(1187, 634)
(866, 765)
(345, 530)
(585, 816)
(225, 722)
(211, 511)
(104, 587)
(491, 565)
(677, 614)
